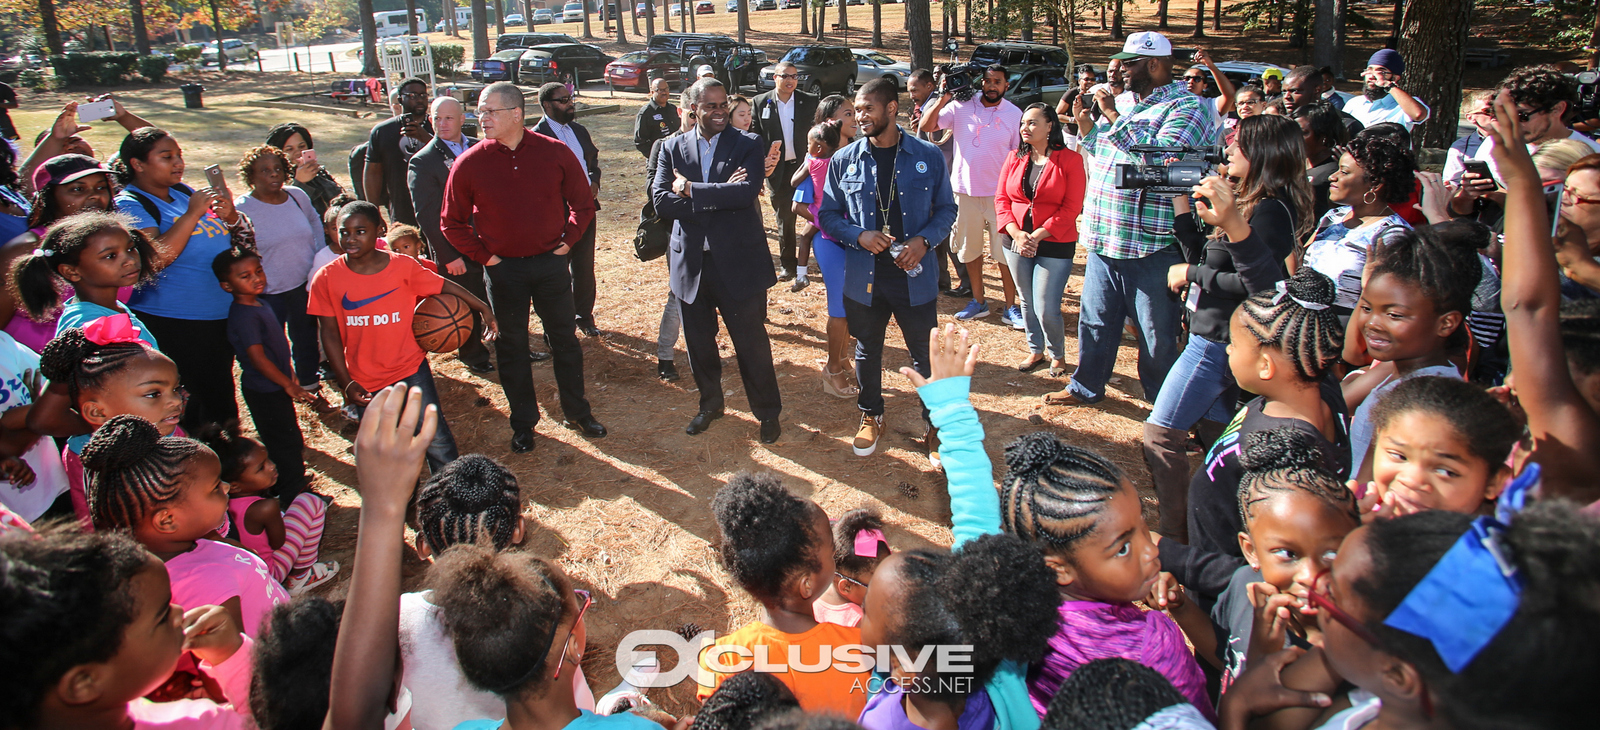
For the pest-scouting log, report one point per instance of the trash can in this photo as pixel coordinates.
(191, 96)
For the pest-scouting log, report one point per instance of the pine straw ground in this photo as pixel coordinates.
(628, 516)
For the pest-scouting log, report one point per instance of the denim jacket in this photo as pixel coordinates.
(927, 207)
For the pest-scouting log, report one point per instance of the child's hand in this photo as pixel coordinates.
(1260, 691)
(1166, 594)
(390, 447)
(356, 395)
(299, 394)
(16, 471)
(210, 633)
(949, 356)
(1270, 628)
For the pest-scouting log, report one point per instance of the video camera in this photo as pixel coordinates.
(960, 80)
(1195, 163)
(1588, 105)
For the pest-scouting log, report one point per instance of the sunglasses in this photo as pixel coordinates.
(1523, 116)
(586, 600)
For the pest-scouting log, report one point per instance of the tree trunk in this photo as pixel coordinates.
(500, 19)
(1116, 22)
(666, 14)
(650, 23)
(216, 25)
(622, 34)
(805, 18)
(141, 36)
(1323, 38)
(1161, 14)
(1338, 38)
(1394, 28)
(877, 23)
(480, 27)
(448, 7)
(1594, 39)
(1027, 14)
(633, 14)
(844, 18)
(694, 23)
(411, 17)
(919, 29)
(1102, 16)
(744, 18)
(1216, 15)
(1301, 23)
(110, 46)
(1200, 19)
(822, 16)
(52, 30)
(968, 29)
(1432, 34)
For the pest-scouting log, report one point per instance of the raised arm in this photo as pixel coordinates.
(1565, 430)
(1224, 85)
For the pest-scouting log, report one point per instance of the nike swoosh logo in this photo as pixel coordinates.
(359, 303)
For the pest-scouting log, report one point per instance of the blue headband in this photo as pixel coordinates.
(1474, 590)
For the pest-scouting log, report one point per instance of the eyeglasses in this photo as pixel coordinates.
(848, 578)
(562, 99)
(1247, 102)
(482, 112)
(1523, 116)
(587, 600)
(413, 94)
(1573, 198)
(1324, 603)
(1187, 77)
(787, 76)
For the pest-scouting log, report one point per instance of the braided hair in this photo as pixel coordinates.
(1110, 694)
(743, 700)
(36, 282)
(73, 359)
(470, 499)
(845, 530)
(130, 469)
(766, 533)
(1285, 459)
(502, 611)
(1054, 493)
(1311, 339)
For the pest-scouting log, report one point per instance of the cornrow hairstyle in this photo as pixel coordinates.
(950, 599)
(802, 720)
(766, 533)
(743, 701)
(36, 282)
(361, 208)
(1446, 274)
(1109, 694)
(64, 601)
(1484, 422)
(1285, 459)
(502, 611)
(247, 163)
(73, 359)
(1536, 672)
(130, 469)
(1580, 334)
(1054, 493)
(222, 264)
(1310, 338)
(293, 664)
(1385, 162)
(845, 530)
(135, 146)
(471, 499)
(230, 445)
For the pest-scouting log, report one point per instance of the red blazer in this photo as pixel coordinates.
(1057, 199)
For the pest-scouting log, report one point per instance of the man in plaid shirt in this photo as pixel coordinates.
(1128, 233)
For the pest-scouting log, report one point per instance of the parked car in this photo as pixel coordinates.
(502, 66)
(572, 13)
(542, 16)
(871, 64)
(704, 7)
(636, 70)
(529, 40)
(1239, 72)
(1017, 56)
(675, 10)
(236, 49)
(645, 10)
(737, 64)
(765, 5)
(1041, 84)
(515, 19)
(562, 61)
(788, 4)
(823, 69)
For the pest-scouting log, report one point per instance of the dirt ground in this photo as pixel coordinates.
(627, 516)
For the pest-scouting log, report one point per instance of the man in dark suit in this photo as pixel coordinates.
(784, 115)
(707, 184)
(558, 124)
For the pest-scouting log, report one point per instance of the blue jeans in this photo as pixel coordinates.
(1200, 386)
(1041, 282)
(1112, 290)
(443, 448)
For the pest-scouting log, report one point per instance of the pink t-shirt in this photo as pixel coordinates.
(1092, 630)
(258, 543)
(848, 614)
(983, 137)
(232, 675)
(214, 572)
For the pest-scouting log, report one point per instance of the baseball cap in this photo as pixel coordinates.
(704, 71)
(1272, 73)
(63, 169)
(1145, 43)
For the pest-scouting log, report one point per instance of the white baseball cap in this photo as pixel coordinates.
(704, 71)
(1145, 43)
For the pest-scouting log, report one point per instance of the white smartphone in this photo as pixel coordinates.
(94, 111)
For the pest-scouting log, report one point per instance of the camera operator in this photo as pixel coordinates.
(1546, 96)
(1257, 219)
(1128, 233)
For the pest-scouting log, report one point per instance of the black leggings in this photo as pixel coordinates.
(205, 366)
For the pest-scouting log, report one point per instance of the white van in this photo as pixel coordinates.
(393, 23)
(572, 13)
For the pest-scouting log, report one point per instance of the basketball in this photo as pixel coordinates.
(442, 323)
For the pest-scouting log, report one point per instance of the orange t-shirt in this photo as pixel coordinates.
(831, 690)
(374, 313)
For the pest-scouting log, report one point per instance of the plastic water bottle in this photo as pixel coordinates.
(894, 252)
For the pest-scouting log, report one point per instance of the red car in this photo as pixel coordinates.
(635, 70)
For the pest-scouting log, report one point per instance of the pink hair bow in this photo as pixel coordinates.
(115, 328)
(867, 543)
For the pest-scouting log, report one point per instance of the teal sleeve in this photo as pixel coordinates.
(974, 503)
(1008, 692)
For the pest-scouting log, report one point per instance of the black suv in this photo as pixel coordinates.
(529, 40)
(736, 64)
(1016, 56)
(674, 41)
(562, 61)
(824, 69)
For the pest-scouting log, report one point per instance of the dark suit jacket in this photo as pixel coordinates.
(591, 154)
(770, 128)
(426, 174)
(720, 215)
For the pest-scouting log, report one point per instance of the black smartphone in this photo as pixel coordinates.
(1481, 169)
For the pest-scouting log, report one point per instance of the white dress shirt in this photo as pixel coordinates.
(570, 138)
(786, 120)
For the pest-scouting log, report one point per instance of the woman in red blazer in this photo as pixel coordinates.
(1038, 202)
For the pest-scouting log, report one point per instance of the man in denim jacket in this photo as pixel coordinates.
(888, 224)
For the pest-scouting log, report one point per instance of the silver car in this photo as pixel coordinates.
(236, 49)
(871, 64)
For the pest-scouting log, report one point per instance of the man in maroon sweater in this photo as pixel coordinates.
(516, 203)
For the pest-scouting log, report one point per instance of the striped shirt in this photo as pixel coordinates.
(1129, 224)
(984, 136)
